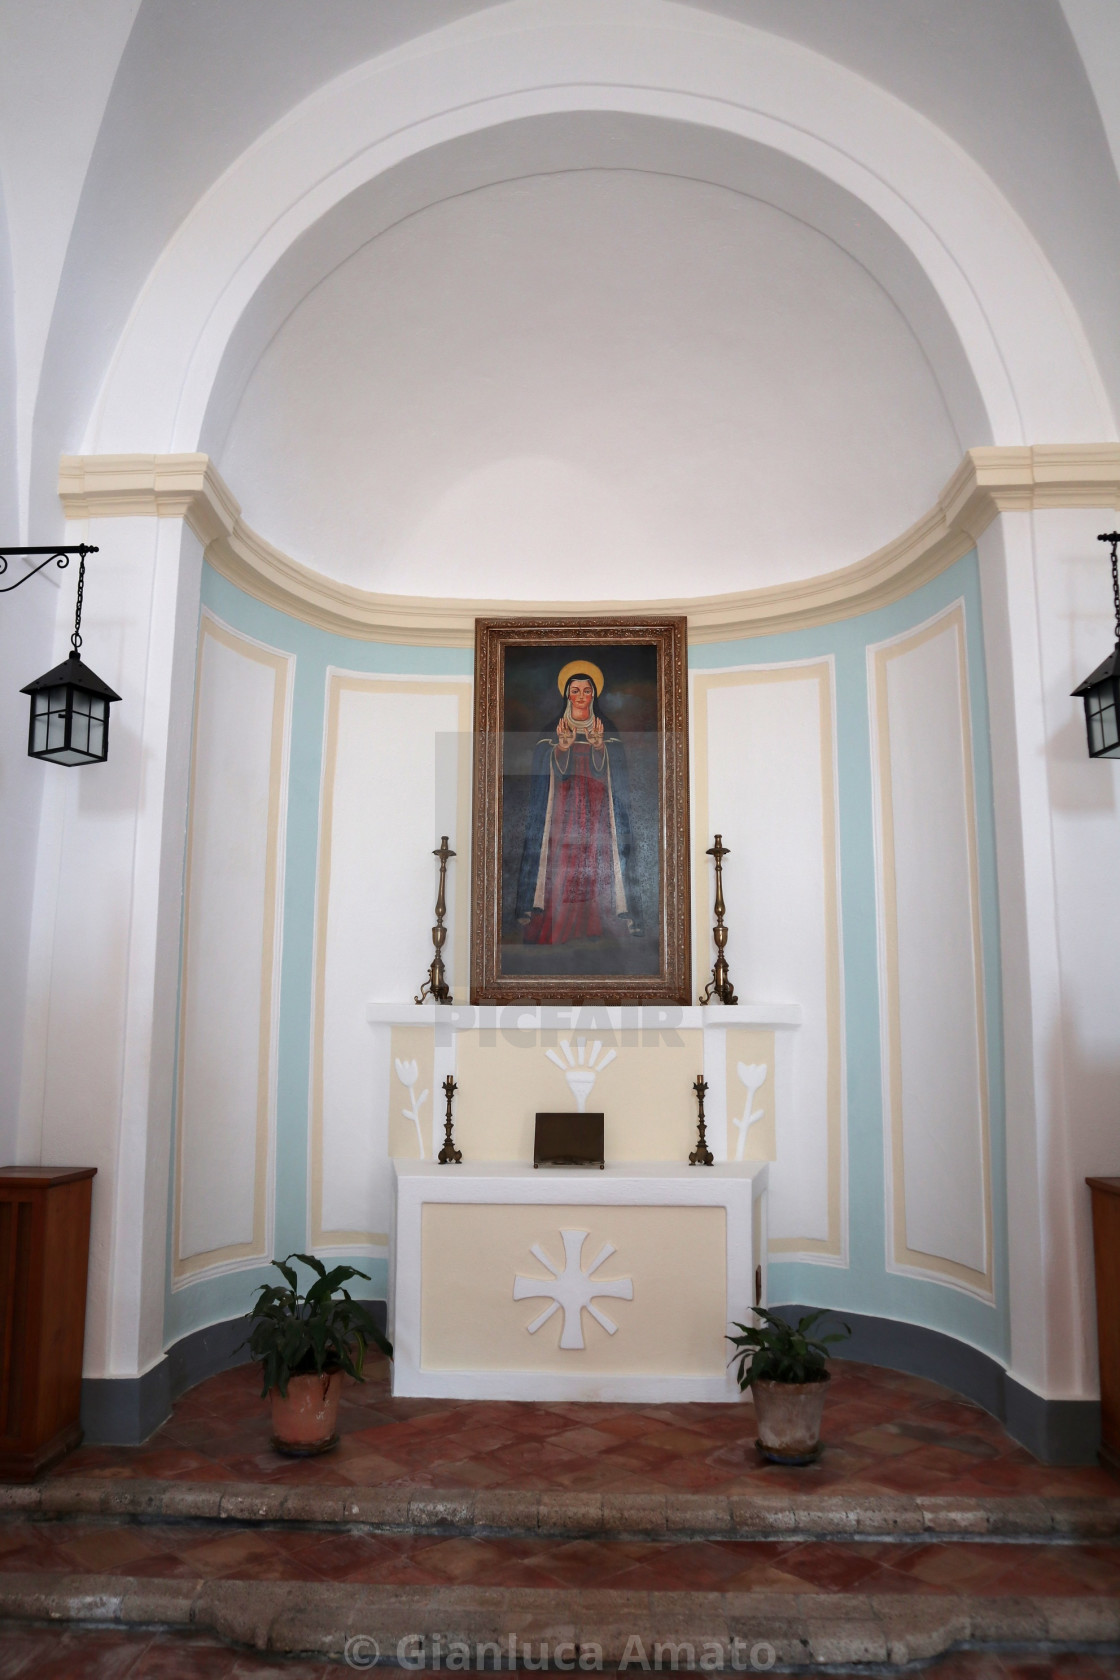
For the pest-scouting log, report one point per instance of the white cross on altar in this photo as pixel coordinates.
(573, 1289)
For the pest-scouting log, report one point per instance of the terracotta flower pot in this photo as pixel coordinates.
(305, 1420)
(789, 1420)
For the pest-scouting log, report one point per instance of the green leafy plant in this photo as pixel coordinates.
(777, 1351)
(296, 1335)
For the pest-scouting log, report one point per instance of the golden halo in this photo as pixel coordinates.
(582, 667)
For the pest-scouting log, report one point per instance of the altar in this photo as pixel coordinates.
(509, 1282)
(512, 1282)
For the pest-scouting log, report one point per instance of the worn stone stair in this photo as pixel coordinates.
(577, 1628)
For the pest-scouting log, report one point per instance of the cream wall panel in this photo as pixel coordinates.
(414, 1104)
(934, 1053)
(764, 778)
(644, 1091)
(396, 772)
(231, 939)
(752, 1082)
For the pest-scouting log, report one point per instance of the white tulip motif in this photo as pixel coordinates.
(580, 1069)
(753, 1076)
(408, 1073)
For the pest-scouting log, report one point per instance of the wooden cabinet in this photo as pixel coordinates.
(1106, 1250)
(44, 1259)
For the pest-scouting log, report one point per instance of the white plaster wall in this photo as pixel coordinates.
(1048, 623)
(99, 1032)
(27, 649)
(26, 642)
(589, 384)
(56, 71)
(1077, 630)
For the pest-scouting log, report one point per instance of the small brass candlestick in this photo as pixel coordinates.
(449, 1155)
(719, 986)
(435, 986)
(701, 1156)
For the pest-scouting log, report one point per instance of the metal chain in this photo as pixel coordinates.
(76, 638)
(1113, 537)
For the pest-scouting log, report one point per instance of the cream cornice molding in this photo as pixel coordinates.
(988, 482)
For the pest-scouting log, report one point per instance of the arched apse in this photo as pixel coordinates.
(1021, 338)
(645, 344)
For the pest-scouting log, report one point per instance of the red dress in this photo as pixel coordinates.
(579, 872)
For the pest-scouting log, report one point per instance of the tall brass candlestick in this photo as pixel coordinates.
(701, 1156)
(449, 1155)
(719, 986)
(435, 986)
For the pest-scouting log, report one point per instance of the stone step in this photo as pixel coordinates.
(422, 1627)
(631, 1516)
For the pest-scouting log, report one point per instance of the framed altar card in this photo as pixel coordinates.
(580, 874)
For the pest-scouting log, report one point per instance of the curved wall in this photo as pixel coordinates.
(918, 658)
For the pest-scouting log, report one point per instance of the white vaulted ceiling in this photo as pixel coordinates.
(603, 382)
(656, 356)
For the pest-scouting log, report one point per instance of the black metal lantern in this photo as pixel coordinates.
(1101, 691)
(69, 705)
(70, 714)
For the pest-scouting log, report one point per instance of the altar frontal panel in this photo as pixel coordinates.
(664, 1289)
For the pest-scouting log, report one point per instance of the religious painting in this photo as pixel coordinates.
(580, 888)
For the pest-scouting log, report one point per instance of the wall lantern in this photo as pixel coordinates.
(1101, 691)
(69, 705)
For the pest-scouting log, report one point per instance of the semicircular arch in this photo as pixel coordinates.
(1026, 355)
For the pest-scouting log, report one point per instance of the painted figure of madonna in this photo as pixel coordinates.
(575, 880)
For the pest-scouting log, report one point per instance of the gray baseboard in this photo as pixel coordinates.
(124, 1411)
(1055, 1431)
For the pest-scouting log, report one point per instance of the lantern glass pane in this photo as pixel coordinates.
(56, 731)
(97, 737)
(79, 728)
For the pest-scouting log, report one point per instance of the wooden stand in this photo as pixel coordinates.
(44, 1259)
(1106, 1250)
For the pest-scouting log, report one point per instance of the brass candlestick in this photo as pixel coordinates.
(435, 986)
(449, 1155)
(719, 986)
(701, 1156)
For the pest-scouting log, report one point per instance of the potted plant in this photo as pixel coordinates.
(784, 1367)
(305, 1343)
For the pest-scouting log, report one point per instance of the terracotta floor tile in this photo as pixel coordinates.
(90, 1655)
(20, 1648)
(956, 1568)
(833, 1568)
(109, 1548)
(883, 1431)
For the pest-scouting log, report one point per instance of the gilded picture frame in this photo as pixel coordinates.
(580, 888)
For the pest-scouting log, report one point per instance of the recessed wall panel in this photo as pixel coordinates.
(764, 778)
(395, 776)
(231, 935)
(934, 1051)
